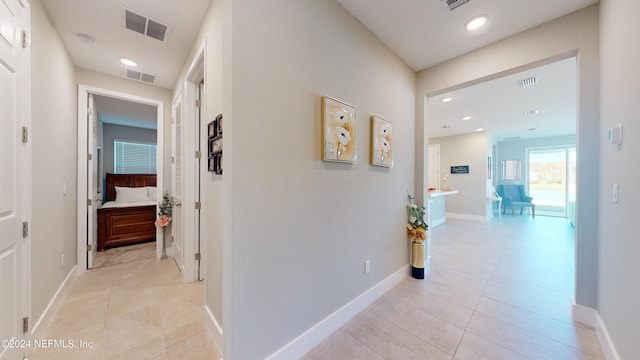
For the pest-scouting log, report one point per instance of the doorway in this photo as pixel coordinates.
(551, 179)
(88, 156)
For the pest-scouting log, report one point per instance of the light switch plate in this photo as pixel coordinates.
(615, 135)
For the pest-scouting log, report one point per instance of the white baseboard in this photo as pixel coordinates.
(169, 251)
(214, 328)
(467, 217)
(47, 314)
(591, 317)
(319, 332)
(437, 222)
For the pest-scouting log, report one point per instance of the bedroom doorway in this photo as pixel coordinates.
(90, 157)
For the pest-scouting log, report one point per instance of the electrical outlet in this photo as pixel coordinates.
(62, 261)
(367, 266)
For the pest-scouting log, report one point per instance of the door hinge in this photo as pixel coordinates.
(197, 256)
(89, 157)
(89, 247)
(198, 103)
(198, 154)
(89, 111)
(198, 205)
(24, 40)
(172, 159)
(25, 325)
(88, 202)
(25, 229)
(25, 134)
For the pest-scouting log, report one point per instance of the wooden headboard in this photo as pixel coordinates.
(127, 180)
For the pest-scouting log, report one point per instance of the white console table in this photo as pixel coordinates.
(437, 207)
(490, 201)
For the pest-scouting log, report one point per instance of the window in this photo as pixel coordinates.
(134, 157)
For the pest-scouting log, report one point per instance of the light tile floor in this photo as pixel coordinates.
(131, 309)
(497, 290)
(125, 254)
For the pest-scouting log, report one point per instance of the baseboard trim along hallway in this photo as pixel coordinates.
(319, 332)
(591, 317)
(48, 312)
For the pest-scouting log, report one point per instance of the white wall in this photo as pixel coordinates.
(53, 228)
(301, 229)
(573, 35)
(619, 293)
(213, 193)
(467, 149)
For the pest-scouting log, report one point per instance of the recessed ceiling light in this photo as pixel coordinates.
(531, 112)
(466, 118)
(128, 62)
(479, 129)
(476, 23)
(447, 99)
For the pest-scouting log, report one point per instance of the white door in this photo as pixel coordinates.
(93, 182)
(177, 148)
(198, 168)
(14, 176)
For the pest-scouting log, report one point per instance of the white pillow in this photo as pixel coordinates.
(129, 194)
(152, 193)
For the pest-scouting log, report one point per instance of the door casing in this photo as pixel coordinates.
(83, 94)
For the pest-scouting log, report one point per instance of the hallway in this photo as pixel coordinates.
(497, 290)
(133, 310)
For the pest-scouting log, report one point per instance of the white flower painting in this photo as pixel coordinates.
(338, 131)
(381, 142)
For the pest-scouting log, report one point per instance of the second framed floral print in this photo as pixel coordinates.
(381, 142)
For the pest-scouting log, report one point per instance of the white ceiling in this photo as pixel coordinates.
(104, 21)
(421, 32)
(425, 32)
(498, 106)
(126, 113)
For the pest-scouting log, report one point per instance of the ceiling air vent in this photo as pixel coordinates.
(139, 76)
(452, 4)
(529, 81)
(145, 26)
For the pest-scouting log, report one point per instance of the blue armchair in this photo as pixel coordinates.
(514, 195)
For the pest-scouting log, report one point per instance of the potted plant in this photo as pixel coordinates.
(417, 231)
(164, 211)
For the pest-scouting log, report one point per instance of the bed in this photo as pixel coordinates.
(129, 212)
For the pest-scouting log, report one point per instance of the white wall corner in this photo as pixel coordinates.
(168, 251)
(39, 326)
(214, 327)
(591, 317)
(319, 332)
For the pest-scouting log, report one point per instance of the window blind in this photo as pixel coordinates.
(134, 158)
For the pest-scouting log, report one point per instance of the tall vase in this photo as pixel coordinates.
(417, 259)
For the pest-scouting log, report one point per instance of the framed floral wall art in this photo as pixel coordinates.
(338, 131)
(381, 142)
